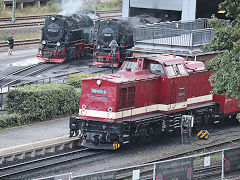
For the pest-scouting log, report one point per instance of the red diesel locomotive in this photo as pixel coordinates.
(147, 97)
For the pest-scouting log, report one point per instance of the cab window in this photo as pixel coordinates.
(174, 70)
(129, 65)
(170, 71)
(156, 69)
(181, 69)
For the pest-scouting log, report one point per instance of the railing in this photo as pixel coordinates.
(178, 33)
(177, 37)
(217, 164)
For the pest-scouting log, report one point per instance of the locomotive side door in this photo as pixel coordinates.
(177, 86)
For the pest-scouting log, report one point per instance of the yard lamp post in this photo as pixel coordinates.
(95, 7)
(113, 45)
(13, 11)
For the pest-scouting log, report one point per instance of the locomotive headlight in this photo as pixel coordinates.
(58, 43)
(83, 112)
(99, 82)
(44, 42)
(98, 47)
(53, 18)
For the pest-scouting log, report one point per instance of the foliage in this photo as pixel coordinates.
(52, 7)
(226, 79)
(3, 37)
(117, 4)
(9, 120)
(42, 102)
(101, 6)
(75, 80)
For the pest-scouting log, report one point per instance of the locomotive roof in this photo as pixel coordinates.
(144, 74)
(164, 58)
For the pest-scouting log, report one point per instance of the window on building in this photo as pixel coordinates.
(127, 97)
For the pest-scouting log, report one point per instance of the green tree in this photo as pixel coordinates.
(226, 79)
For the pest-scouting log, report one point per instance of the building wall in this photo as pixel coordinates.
(175, 5)
(186, 7)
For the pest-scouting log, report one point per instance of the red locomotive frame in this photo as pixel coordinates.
(105, 59)
(145, 98)
(56, 56)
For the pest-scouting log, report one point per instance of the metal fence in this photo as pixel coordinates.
(218, 164)
(177, 37)
(189, 33)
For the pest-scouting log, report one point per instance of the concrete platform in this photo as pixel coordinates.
(18, 136)
(34, 140)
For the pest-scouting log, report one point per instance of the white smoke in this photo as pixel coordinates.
(70, 6)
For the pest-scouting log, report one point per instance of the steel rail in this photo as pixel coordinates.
(44, 16)
(15, 168)
(22, 24)
(41, 23)
(59, 76)
(125, 173)
(19, 71)
(29, 74)
(21, 42)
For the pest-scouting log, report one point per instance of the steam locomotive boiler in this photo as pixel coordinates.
(120, 30)
(66, 37)
(147, 97)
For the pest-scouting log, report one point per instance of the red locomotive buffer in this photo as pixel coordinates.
(145, 98)
(73, 50)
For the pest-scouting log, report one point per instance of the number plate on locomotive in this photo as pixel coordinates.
(98, 91)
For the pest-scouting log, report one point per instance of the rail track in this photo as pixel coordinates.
(199, 172)
(21, 42)
(16, 75)
(41, 23)
(45, 162)
(62, 77)
(24, 18)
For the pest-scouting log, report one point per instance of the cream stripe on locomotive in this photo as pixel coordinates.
(146, 109)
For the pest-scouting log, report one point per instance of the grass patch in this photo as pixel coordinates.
(54, 7)
(75, 80)
(4, 37)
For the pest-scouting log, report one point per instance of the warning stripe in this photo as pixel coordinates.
(199, 133)
(203, 135)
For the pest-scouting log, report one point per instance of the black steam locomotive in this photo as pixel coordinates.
(66, 37)
(120, 30)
